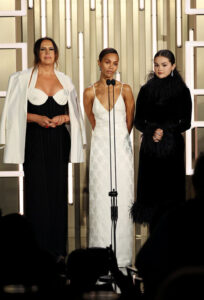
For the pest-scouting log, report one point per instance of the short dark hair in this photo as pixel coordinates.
(36, 49)
(107, 51)
(166, 53)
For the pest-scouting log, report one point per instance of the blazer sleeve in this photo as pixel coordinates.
(74, 98)
(4, 113)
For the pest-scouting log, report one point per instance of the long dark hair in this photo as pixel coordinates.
(107, 51)
(168, 54)
(36, 49)
(167, 87)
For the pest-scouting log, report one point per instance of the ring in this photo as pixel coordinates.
(46, 126)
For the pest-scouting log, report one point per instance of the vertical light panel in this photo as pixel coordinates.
(21, 190)
(68, 24)
(190, 84)
(70, 183)
(81, 69)
(30, 3)
(178, 23)
(142, 4)
(191, 35)
(43, 17)
(154, 27)
(105, 23)
(92, 4)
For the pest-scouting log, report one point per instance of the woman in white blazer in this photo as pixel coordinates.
(42, 127)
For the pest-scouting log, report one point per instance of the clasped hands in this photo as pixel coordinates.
(158, 134)
(54, 122)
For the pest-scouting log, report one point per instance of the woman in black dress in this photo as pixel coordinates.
(163, 112)
(47, 151)
(42, 127)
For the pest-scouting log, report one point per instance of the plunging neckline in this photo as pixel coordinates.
(104, 106)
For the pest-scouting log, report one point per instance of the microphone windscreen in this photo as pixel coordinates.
(108, 81)
(113, 81)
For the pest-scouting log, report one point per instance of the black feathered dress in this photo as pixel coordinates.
(166, 104)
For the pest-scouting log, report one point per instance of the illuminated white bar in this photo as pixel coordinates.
(198, 92)
(68, 23)
(30, 3)
(21, 191)
(14, 13)
(196, 124)
(178, 23)
(154, 27)
(142, 4)
(70, 183)
(81, 69)
(92, 4)
(191, 35)
(43, 18)
(105, 23)
(2, 94)
(189, 64)
(11, 173)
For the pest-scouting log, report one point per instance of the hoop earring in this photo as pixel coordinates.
(172, 73)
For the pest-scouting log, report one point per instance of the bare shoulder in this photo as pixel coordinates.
(127, 92)
(127, 88)
(89, 92)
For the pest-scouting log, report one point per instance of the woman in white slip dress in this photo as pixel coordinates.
(97, 108)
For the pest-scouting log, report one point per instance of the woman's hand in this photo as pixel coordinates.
(59, 120)
(42, 121)
(158, 134)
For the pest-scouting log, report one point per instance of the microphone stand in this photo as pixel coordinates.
(113, 192)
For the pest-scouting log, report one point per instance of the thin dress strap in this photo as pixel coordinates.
(94, 90)
(121, 88)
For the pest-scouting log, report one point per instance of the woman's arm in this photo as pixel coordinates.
(43, 121)
(140, 121)
(130, 106)
(186, 110)
(88, 105)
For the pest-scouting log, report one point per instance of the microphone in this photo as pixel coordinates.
(109, 82)
(113, 81)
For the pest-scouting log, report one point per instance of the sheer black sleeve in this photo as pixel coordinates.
(182, 111)
(185, 111)
(140, 121)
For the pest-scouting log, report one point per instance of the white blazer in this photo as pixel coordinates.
(14, 118)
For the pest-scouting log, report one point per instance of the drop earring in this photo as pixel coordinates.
(172, 73)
